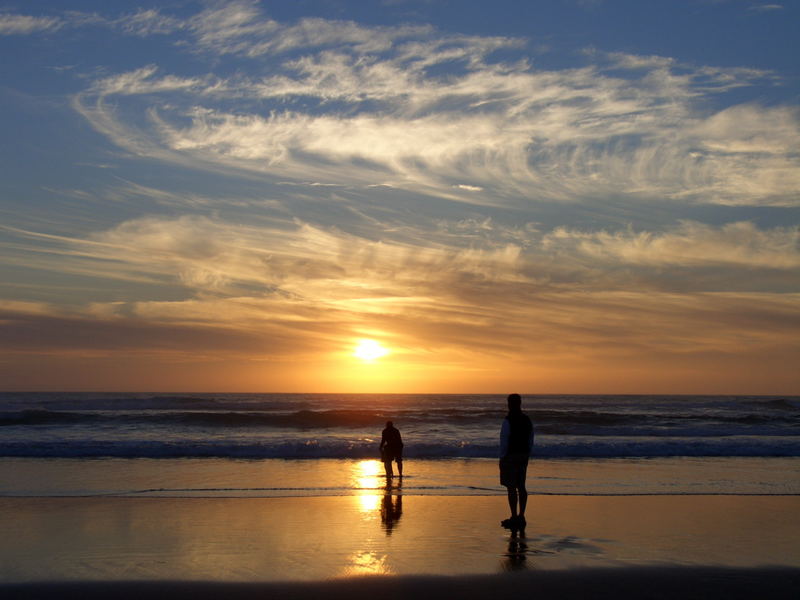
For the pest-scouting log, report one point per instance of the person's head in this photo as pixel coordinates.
(514, 402)
(389, 424)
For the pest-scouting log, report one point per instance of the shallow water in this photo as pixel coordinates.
(216, 477)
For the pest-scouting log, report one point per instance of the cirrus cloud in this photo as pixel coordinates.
(422, 110)
(15, 24)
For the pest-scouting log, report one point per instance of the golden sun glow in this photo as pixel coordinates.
(369, 350)
(365, 474)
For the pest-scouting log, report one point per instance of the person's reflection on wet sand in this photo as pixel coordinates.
(391, 508)
(515, 558)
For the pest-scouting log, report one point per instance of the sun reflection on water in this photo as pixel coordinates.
(366, 475)
(366, 480)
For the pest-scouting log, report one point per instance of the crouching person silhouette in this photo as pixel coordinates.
(391, 449)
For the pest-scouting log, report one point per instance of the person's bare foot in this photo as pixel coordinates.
(515, 522)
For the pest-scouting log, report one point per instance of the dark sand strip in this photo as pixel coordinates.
(613, 583)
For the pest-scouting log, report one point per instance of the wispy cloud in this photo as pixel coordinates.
(571, 291)
(240, 27)
(15, 24)
(148, 22)
(347, 104)
(141, 81)
(691, 244)
(765, 7)
(142, 22)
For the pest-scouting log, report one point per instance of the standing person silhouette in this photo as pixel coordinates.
(391, 449)
(516, 443)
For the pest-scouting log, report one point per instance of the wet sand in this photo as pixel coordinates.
(272, 540)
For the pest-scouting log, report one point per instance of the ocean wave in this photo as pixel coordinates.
(699, 430)
(346, 426)
(301, 419)
(553, 447)
(781, 404)
(580, 422)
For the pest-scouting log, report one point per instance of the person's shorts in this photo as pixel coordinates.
(390, 454)
(513, 469)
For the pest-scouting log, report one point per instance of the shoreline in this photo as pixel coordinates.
(208, 477)
(395, 492)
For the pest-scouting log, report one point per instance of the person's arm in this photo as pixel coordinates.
(505, 432)
(383, 440)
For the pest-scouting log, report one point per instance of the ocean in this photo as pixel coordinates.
(313, 444)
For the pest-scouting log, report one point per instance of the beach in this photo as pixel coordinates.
(640, 546)
(269, 495)
(321, 538)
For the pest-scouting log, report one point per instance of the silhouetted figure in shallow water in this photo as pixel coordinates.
(516, 442)
(391, 449)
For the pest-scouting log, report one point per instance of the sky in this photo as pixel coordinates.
(550, 196)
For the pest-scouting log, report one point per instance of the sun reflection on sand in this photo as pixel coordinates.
(369, 502)
(366, 563)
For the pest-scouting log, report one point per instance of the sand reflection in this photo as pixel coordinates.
(391, 509)
(515, 559)
(367, 479)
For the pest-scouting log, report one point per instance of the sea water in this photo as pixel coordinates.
(326, 444)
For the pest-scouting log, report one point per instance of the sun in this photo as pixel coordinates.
(369, 350)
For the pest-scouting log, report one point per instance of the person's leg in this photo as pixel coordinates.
(387, 465)
(523, 500)
(400, 465)
(522, 491)
(512, 500)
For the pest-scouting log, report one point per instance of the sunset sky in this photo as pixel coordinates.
(553, 196)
